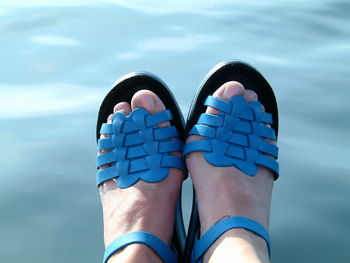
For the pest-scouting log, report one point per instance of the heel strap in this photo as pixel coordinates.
(203, 244)
(157, 245)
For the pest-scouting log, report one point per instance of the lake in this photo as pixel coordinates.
(60, 58)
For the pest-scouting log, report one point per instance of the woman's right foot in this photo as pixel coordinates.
(226, 191)
(144, 206)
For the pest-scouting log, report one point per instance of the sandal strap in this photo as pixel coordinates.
(203, 244)
(236, 136)
(138, 149)
(157, 245)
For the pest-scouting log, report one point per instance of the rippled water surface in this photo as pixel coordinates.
(59, 59)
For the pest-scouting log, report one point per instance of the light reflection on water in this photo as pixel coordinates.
(59, 60)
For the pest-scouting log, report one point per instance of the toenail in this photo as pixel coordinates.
(252, 94)
(149, 101)
(228, 92)
(119, 108)
(231, 90)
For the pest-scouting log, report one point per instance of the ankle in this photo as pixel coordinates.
(135, 253)
(243, 246)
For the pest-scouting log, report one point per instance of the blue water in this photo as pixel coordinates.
(59, 58)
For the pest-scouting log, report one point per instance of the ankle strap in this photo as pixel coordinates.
(157, 245)
(203, 244)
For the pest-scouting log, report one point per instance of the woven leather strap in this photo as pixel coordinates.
(235, 137)
(138, 149)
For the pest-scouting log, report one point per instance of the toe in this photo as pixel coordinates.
(109, 119)
(123, 107)
(250, 96)
(152, 103)
(120, 107)
(226, 92)
(149, 101)
(105, 135)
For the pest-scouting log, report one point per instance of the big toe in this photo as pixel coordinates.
(149, 101)
(123, 107)
(226, 92)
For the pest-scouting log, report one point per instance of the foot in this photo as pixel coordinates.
(226, 191)
(145, 206)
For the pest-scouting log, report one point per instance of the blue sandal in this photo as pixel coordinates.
(140, 150)
(234, 137)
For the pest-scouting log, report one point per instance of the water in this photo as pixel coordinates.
(59, 59)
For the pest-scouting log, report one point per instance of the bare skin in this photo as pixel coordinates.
(144, 206)
(220, 192)
(226, 191)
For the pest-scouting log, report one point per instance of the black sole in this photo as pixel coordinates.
(123, 90)
(251, 79)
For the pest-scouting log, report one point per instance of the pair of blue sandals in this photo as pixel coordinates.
(140, 150)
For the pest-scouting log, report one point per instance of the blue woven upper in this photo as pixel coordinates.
(236, 136)
(137, 148)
